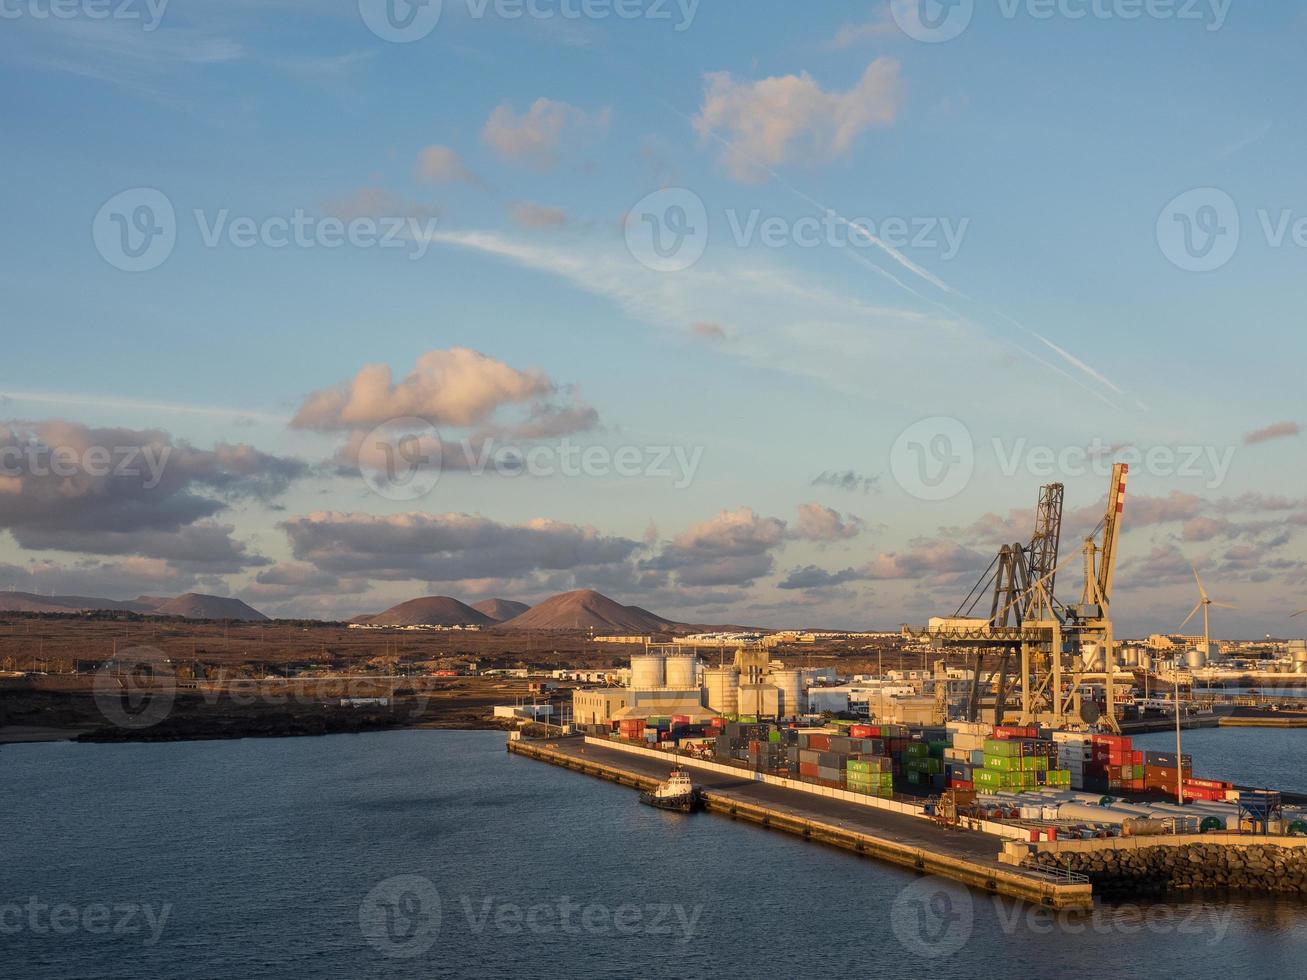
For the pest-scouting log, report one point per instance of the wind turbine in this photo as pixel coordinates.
(1205, 603)
(1298, 613)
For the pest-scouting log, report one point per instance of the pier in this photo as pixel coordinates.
(901, 838)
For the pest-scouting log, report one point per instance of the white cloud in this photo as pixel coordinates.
(777, 120)
(536, 135)
(442, 165)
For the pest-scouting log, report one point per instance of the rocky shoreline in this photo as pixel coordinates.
(1190, 867)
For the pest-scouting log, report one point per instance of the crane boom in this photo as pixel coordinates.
(1111, 531)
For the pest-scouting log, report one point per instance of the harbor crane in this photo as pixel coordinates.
(1029, 628)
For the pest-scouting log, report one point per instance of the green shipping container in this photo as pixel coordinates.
(998, 763)
(1002, 747)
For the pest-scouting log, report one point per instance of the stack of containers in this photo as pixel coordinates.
(873, 776)
(631, 729)
(920, 765)
(1166, 771)
(1207, 789)
(1075, 750)
(1016, 764)
(966, 754)
(1115, 765)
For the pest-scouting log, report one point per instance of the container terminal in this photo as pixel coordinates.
(1007, 774)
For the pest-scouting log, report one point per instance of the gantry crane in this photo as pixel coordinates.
(1027, 620)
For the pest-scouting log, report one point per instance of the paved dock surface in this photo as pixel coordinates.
(910, 841)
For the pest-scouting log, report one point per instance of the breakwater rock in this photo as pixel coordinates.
(1190, 867)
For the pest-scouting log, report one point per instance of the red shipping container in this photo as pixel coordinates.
(962, 784)
(861, 731)
(819, 743)
(808, 769)
(1208, 784)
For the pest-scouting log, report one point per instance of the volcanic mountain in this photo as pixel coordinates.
(500, 609)
(436, 610)
(587, 609)
(192, 605)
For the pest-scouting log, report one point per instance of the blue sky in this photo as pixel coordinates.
(1029, 290)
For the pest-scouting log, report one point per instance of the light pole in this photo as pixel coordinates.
(1179, 759)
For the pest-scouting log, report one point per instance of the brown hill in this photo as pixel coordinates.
(29, 602)
(586, 609)
(195, 605)
(500, 609)
(436, 610)
(192, 605)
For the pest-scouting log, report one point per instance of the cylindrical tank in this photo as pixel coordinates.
(647, 672)
(763, 700)
(680, 671)
(1195, 658)
(1091, 654)
(1130, 656)
(721, 689)
(790, 683)
(1298, 651)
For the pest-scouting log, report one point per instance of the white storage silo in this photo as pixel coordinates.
(721, 689)
(647, 672)
(681, 671)
(1195, 658)
(762, 700)
(790, 683)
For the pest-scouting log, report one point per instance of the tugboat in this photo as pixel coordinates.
(677, 794)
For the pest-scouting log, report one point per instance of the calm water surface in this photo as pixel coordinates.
(436, 854)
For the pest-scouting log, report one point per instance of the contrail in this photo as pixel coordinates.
(109, 401)
(908, 264)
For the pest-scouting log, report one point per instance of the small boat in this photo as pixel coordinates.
(677, 793)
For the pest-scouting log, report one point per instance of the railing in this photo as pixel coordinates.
(1061, 874)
